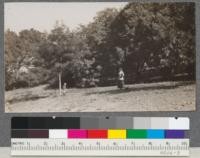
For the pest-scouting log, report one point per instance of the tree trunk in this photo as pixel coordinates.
(60, 83)
(138, 79)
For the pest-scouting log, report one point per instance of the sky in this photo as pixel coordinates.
(43, 15)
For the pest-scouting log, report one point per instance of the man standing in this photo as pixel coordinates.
(120, 78)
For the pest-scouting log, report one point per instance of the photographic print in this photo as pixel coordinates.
(99, 56)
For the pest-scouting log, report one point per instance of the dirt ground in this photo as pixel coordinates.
(162, 96)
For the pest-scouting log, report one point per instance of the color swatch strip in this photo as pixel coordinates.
(181, 123)
(100, 134)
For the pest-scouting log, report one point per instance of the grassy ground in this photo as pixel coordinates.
(162, 96)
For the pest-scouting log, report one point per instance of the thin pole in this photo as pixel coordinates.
(60, 83)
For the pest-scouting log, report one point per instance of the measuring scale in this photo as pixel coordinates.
(30, 139)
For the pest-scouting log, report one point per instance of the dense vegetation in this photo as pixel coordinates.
(150, 41)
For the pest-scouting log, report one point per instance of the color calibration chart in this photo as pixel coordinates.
(100, 136)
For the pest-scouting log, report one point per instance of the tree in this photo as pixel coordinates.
(147, 36)
(97, 33)
(12, 51)
(146, 39)
(66, 55)
(21, 56)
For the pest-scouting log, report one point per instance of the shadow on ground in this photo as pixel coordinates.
(144, 88)
(26, 97)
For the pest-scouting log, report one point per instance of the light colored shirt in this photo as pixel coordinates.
(121, 75)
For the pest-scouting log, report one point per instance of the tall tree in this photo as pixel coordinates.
(149, 35)
(21, 55)
(97, 33)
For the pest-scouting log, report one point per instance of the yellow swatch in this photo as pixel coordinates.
(116, 134)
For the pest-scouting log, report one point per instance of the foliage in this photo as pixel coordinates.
(147, 40)
(159, 36)
(21, 58)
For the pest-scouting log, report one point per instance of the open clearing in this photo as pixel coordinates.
(162, 96)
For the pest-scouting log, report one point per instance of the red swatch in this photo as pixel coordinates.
(99, 133)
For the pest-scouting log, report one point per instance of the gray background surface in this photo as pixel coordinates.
(194, 116)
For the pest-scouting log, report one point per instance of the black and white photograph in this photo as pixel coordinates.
(99, 56)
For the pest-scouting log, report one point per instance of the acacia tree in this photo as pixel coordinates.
(66, 54)
(180, 41)
(21, 51)
(55, 52)
(151, 36)
(97, 33)
(12, 51)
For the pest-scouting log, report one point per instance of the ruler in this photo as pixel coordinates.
(91, 147)
(49, 138)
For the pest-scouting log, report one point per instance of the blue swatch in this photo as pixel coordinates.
(155, 134)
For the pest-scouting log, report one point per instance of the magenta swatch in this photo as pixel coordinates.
(77, 133)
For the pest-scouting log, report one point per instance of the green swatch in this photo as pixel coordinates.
(136, 133)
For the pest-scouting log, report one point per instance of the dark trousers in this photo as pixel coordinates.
(120, 83)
